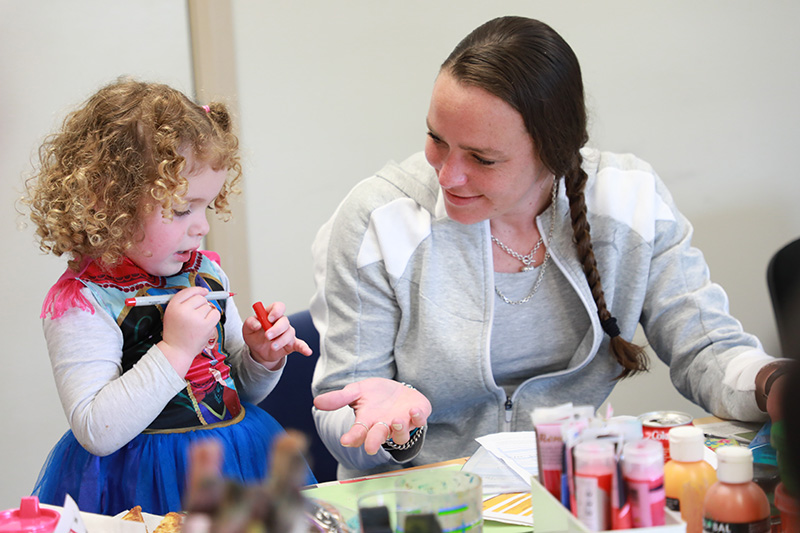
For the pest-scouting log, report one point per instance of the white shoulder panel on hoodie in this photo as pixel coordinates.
(395, 230)
(630, 197)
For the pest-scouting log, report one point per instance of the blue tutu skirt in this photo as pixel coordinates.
(151, 470)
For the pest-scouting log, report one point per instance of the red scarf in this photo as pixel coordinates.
(66, 293)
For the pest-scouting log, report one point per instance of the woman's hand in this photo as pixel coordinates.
(775, 399)
(189, 322)
(269, 346)
(384, 409)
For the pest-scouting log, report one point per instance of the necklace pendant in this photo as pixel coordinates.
(526, 268)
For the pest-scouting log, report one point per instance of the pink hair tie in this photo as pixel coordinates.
(207, 109)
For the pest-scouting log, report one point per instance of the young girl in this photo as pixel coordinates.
(123, 191)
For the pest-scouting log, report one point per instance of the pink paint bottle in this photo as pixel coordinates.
(547, 422)
(594, 465)
(643, 470)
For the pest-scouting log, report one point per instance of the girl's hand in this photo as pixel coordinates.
(189, 322)
(270, 346)
(384, 408)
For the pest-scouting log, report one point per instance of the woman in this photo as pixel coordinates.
(503, 269)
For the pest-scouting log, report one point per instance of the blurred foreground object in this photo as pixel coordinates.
(215, 505)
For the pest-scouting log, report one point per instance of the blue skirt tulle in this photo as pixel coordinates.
(151, 469)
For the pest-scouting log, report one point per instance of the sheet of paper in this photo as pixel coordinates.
(497, 478)
(516, 449)
(506, 462)
(742, 432)
(71, 520)
(514, 508)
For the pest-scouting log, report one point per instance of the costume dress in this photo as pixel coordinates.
(406, 293)
(132, 417)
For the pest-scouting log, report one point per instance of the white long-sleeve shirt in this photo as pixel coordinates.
(105, 408)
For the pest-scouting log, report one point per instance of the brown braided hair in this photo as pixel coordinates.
(116, 152)
(528, 65)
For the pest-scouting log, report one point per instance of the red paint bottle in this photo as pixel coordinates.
(735, 504)
(595, 464)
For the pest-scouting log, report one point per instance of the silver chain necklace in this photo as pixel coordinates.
(527, 260)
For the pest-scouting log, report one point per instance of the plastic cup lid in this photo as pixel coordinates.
(29, 518)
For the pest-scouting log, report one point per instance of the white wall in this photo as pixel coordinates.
(53, 55)
(704, 90)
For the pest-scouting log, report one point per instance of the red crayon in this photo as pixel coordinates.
(261, 313)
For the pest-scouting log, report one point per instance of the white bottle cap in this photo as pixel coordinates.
(643, 459)
(686, 444)
(594, 454)
(735, 464)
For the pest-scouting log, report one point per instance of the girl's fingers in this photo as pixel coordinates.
(185, 295)
(278, 328)
(276, 311)
(301, 346)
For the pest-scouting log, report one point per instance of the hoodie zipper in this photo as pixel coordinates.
(509, 406)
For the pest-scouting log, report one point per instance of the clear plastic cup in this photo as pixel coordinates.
(389, 510)
(455, 498)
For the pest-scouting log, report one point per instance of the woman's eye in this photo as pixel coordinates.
(482, 161)
(434, 138)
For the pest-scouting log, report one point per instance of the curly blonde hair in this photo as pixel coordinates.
(115, 157)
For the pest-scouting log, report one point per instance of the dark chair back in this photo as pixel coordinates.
(783, 280)
(290, 401)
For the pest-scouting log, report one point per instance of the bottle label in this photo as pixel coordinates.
(592, 500)
(647, 501)
(759, 526)
(550, 448)
(673, 504)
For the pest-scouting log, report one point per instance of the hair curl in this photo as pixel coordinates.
(120, 150)
(528, 65)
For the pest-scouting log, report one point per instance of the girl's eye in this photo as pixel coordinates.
(181, 213)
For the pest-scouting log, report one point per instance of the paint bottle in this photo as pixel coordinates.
(547, 422)
(735, 503)
(687, 476)
(789, 508)
(594, 468)
(643, 471)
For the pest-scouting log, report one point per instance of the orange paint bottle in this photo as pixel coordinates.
(687, 476)
(735, 503)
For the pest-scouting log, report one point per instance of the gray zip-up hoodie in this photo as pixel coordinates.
(406, 293)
